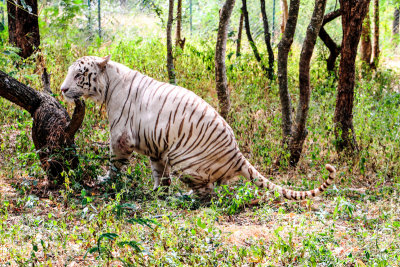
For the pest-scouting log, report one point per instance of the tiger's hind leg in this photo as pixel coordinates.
(161, 173)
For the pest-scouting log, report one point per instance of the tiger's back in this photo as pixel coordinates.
(172, 124)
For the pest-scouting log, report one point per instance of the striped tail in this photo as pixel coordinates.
(251, 173)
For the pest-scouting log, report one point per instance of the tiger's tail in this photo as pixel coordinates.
(251, 173)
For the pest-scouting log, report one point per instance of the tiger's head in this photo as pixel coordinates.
(86, 78)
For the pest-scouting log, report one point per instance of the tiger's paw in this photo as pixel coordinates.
(103, 179)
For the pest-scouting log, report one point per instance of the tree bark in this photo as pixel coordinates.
(239, 38)
(300, 131)
(221, 81)
(267, 38)
(170, 58)
(52, 130)
(334, 49)
(250, 38)
(375, 48)
(366, 46)
(353, 14)
(395, 27)
(23, 26)
(283, 52)
(284, 9)
(178, 39)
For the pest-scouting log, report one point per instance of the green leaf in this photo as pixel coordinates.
(132, 244)
(91, 251)
(143, 222)
(201, 224)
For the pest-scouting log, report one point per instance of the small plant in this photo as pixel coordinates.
(233, 201)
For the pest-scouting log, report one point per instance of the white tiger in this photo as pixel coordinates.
(173, 126)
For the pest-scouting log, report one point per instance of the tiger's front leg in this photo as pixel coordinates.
(161, 172)
(121, 149)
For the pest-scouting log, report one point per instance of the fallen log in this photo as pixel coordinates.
(53, 130)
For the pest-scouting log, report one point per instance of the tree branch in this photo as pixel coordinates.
(77, 119)
(18, 93)
(331, 16)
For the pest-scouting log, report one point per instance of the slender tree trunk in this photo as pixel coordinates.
(99, 16)
(300, 131)
(395, 27)
(221, 80)
(89, 25)
(178, 39)
(273, 20)
(250, 38)
(170, 58)
(267, 38)
(52, 130)
(239, 39)
(366, 46)
(375, 48)
(283, 52)
(334, 49)
(284, 9)
(23, 26)
(2, 14)
(353, 14)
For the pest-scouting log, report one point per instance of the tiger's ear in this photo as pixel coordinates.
(103, 62)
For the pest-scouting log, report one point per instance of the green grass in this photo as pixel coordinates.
(356, 222)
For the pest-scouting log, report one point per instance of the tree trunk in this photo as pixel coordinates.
(267, 38)
(99, 16)
(283, 52)
(2, 15)
(89, 25)
(284, 9)
(366, 47)
(178, 39)
(221, 81)
(300, 132)
(395, 28)
(170, 58)
(375, 48)
(353, 14)
(250, 38)
(239, 39)
(23, 26)
(52, 130)
(334, 49)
